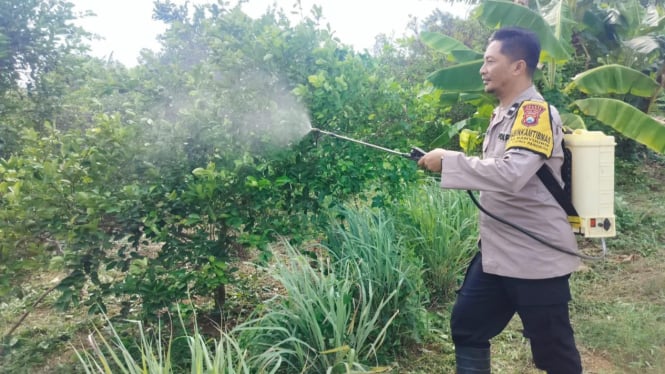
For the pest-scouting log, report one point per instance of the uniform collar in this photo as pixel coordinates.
(528, 94)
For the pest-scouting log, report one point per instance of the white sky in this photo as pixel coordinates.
(127, 25)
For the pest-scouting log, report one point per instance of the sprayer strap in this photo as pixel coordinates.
(560, 195)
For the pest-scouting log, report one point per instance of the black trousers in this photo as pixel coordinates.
(486, 303)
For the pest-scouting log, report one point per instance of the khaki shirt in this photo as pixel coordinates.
(510, 189)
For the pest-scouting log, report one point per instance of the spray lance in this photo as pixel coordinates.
(415, 154)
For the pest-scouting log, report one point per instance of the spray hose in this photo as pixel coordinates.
(417, 153)
(536, 237)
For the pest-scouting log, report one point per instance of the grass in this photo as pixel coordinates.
(441, 227)
(327, 321)
(108, 352)
(369, 239)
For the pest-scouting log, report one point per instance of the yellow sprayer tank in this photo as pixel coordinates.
(592, 181)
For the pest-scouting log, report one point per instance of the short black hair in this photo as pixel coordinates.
(519, 44)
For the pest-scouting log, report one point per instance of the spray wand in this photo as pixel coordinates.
(415, 154)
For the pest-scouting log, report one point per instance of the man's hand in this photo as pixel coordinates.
(432, 160)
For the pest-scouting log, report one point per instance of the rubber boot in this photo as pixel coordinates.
(473, 360)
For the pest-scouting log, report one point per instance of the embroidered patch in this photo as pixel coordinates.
(532, 114)
(532, 129)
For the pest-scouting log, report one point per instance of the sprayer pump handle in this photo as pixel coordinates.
(416, 154)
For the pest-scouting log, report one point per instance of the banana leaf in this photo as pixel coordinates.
(453, 48)
(449, 98)
(572, 121)
(644, 44)
(627, 120)
(442, 43)
(500, 13)
(465, 55)
(474, 98)
(631, 15)
(473, 123)
(653, 22)
(558, 15)
(459, 78)
(614, 79)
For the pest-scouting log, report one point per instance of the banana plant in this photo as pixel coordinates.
(555, 49)
(620, 80)
(553, 28)
(459, 83)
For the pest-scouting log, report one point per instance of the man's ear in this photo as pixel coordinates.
(519, 67)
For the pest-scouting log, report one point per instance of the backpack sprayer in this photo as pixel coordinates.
(592, 182)
(591, 172)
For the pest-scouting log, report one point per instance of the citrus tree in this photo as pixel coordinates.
(36, 37)
(147, 182)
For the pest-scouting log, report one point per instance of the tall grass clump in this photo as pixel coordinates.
(368, 238)
(327, 322)
(440, 226)
(109, 353)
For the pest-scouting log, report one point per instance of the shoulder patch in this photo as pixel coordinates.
(532, 129)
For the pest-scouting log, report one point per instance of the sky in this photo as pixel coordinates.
(126, 26)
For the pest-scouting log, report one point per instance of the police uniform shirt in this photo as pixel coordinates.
(511, 190)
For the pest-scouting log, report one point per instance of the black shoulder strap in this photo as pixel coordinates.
(562, 196)
(557, 191)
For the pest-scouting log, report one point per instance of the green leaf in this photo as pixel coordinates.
(279, 182)
(626, 119)
(653, 20)
(459, 78)
(443, 140)
(572, 121)
(466, 56)
(199, 172)
(472, 97)
(614, 79)
(251, 181)
(317, 80)
(449, 98)
(557, 14)
(474, 123)
(193, 219)
(469, 140)
(442, 43)
(645, 44)
(500, 13)
(453, 48)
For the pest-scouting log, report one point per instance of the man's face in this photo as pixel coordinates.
(497, 70)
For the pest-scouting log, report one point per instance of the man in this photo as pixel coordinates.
(513, 273)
